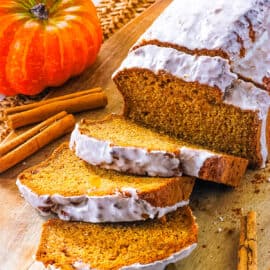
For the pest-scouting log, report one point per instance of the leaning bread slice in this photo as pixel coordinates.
(75, 190)
(151, 244)
(119, 144)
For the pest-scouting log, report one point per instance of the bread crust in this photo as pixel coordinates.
(225, 170)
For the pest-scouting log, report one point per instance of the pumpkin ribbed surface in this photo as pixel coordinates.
(44, 44)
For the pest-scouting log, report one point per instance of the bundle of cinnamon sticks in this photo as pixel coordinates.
(17, 149)
(57, 122)
(33, 113)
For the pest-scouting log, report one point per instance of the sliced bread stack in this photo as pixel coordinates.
(134, 208)
(129, 179)
(118, 187)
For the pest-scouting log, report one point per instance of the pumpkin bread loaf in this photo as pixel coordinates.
(207, 90)
(151, 244)
(119, 144)
(75, 190)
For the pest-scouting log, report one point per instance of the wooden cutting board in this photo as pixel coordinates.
(216, 207)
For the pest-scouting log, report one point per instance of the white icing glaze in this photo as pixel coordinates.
(110, 208)
(158, 265)
(131, 159)
(214, 25)
(192, 159)
(255, 70)
(248, 97)
(127, 159)
(2, 97)
(212, 71)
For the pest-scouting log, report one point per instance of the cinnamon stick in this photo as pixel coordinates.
(74, 104)
(45, 136)
(247, 251)
(11, 144)
(9, 137)
(30, 106)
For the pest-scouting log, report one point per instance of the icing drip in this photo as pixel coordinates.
(192, 159)
(255, 70)
(110, 208)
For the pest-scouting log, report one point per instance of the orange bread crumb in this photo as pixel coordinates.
(112, 246)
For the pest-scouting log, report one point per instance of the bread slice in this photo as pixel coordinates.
(119, 144)
(75, 190)
(151, 244)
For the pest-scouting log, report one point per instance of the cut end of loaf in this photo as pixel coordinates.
(191, 112)
(122, 132)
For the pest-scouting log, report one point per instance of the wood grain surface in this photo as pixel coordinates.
(216, 207)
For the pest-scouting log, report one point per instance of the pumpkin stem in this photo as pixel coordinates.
(40, 11)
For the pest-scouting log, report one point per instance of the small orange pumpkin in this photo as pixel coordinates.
(43, 43)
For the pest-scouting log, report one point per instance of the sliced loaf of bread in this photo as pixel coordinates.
(75, 190)
(147, 245)
(119, 144)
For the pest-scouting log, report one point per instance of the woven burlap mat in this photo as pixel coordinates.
(113, 15)
(116, 13)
